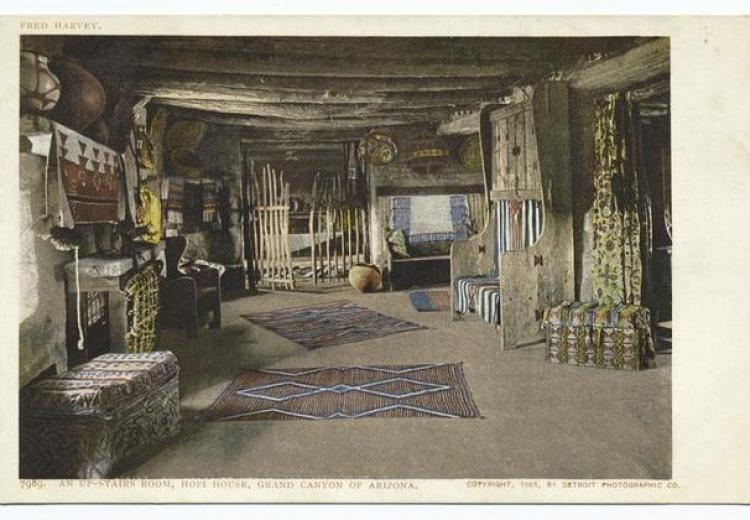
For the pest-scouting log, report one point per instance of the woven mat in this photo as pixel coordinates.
(431, 301)
(432, 390)
(330, 324)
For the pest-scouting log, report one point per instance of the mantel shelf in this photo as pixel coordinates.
(98, 270)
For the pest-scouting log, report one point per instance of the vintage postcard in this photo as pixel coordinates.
(375, 259)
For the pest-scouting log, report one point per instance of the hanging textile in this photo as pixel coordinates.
(210, 194)
(355, 177)
(619, 211)
(431, 218)
(149, 216)
(172, 196)
(87, 178)
(519, 223)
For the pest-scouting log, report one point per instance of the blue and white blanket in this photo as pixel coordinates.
(431, 218)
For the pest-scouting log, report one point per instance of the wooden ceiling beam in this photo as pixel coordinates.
(198, 91)
(418, 50)
(645, 62)
(293, 125)
(322, 66)
(281, 146)
(300, 112)
(330, 86)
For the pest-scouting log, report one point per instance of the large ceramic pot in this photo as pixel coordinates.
(83, 99)
(99, 132)
(40, 88)
(364, 277)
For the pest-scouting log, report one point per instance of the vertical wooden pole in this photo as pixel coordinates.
(328, 228)
(311, 226)
(356, 234)
(258, 219)
(287, 250)
(274, 224)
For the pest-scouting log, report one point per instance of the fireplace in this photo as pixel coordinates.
(106, 314)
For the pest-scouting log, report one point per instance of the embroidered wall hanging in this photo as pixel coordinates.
(88, 178)
(617, 273)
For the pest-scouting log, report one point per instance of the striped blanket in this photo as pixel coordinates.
(519, 223)
(431, 218)
(480, 294)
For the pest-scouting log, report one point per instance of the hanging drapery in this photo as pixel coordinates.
(620, 216)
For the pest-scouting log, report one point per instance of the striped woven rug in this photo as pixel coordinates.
(431, 301)
(330, 324)
(433, 390)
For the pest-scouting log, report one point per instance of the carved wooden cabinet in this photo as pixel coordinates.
(515, 157)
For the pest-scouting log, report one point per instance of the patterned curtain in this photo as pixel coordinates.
(620, 215)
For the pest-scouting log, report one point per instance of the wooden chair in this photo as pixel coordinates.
(188, 291)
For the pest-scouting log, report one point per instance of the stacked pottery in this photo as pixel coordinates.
(40, 88)
(82, 101)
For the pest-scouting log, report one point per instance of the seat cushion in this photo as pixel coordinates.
(592, 314)
(466, 290)
(98, 387)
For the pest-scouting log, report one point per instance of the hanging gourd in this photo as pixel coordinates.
(426, 153)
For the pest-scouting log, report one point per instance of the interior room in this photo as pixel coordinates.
(345, 257)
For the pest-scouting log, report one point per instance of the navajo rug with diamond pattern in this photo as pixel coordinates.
(354, 392)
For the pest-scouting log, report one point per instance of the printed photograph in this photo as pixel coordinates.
(336, 257)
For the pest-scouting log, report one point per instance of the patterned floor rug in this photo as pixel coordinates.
(330, 324)
(431, 301)
(434, 390)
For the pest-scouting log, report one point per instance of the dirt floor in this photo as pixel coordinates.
(539, 420)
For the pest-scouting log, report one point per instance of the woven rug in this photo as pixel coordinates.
(431, 301)
(330, 324)
(434, 390)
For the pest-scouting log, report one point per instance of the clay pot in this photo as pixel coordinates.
(364, 277)
(186, 163)
(83, 99)
(120, 122)
(99, 132)
(40, 88)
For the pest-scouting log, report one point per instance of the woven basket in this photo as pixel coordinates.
(365, 277)
(186, 164)
(426, 154)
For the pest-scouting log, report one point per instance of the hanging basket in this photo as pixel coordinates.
(470, 153)
(186, 134)
(427, 154)
(186, 163)
(378, 148)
